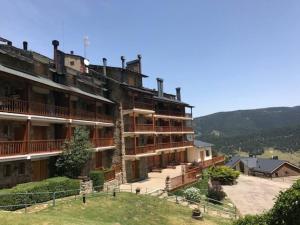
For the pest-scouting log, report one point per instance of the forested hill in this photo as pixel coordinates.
(245, 122)
(251, 130)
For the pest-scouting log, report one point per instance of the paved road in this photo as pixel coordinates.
(253, 195)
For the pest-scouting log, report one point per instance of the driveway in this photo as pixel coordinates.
(253, 195)
(155, 181)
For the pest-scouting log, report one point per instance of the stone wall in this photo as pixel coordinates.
(143, 168)
(16, 175)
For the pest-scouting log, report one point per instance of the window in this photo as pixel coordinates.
(21, 168)
(7, 170)
(207, 152)
(72, 63)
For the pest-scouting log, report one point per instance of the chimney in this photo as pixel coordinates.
(140, 62)
(123, 62)
(72, 52)
(25, 45)
(160, 87)
(9, 43)
(55, 44)
(104, 66)
(178, 94)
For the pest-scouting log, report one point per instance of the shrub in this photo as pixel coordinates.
(75, 154)
(252, 220)
(97, 176)
(192, 194)
(215, 191)
(286, 210)
(41, 191)
(223, 174)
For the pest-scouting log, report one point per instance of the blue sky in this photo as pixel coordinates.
(224, 54)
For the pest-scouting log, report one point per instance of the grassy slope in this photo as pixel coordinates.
(291, 157)
(125, 209)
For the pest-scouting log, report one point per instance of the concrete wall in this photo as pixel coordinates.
(194, 154)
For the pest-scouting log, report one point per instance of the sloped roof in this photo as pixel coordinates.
(201, 144)
(258, 164)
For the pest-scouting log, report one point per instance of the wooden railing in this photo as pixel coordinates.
(140, 149)
(151, 147)
(139, 105)
(162, 129)
(170, 113)
(144, 127)
(8, 148)
(12, 105)
(48, 110)
(38, 146)
(103, 142)
(184, 179)
(213, 161)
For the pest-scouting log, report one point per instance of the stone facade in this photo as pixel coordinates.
(15, 172)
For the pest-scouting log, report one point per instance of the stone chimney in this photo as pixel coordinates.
(123, 62)
(104, 66)
(25, 45)
(72, 52)
(178, 94)
(160, 87)
(140, 62)
(55, 44)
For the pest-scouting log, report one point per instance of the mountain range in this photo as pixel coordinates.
(251, 130)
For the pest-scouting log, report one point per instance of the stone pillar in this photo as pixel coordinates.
(121, 141)
(168, 184)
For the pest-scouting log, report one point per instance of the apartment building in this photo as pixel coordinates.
(132, 128)
(42, 100)
(155, 127)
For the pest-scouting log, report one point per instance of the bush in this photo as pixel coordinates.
(216, 192)
(252, 220)
(223, 174)
(192, 194)
(286, 210)
(97, 176)
(41, 191)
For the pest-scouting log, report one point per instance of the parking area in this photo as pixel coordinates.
(253, 195)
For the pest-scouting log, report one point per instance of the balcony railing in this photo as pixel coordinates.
(213, 161)
(9, 148)
(162, 129)
(151, 147)
(11, 105)
(138, 127)
(40, 146)
(103, 142)
(170, 112)
(139, 105)
(140, 149)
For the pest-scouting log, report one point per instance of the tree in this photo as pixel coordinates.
(76, 153)
(223, 174)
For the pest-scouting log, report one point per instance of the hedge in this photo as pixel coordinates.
(97, 176)
(37, 192)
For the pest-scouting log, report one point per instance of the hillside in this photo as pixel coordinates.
(245, 122)
(251, 130)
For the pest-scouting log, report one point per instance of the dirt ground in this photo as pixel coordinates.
(253, 195)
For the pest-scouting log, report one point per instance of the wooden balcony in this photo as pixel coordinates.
(140, 149)
(151, 147)
(102, 142)
(139, 128)
(167, 112)
(11, 105)
(139, 105)
(163, 129)
(214, 161)
(10, 148)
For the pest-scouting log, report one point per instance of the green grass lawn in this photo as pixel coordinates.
(125, 209)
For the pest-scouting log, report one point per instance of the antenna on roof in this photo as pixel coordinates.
(86, 43)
